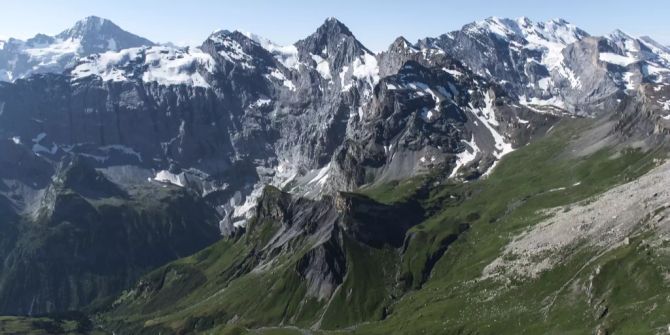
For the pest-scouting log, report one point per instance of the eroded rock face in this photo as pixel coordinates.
(85, 239)
(228, 117)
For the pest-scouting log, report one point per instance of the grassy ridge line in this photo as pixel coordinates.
(533, 178)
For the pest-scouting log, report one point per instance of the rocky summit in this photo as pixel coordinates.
(506, 177)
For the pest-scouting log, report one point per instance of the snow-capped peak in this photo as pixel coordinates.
(402, 44)
(333, 25)
(623, 49)
(234, 47)
(619, 35)
(44, 53)
(556, 31)
(331, 48)
(89, 24)
(99, 35)
(503, 28)
(287, 55)
(552, 31)
(550, 37)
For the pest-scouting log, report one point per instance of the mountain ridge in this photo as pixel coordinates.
(320, 185)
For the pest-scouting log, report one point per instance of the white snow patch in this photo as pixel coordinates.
(280, 76)
(345, 82)
(322, 176)
(628, 80)
(53, 54)
(287, 55)
(544, 83)
(244, 210)
(666, 105)
(468, 155)
(567, 73)
(427, 115)
(322, 66)
(164, 65)
(232, 50)
(165, 176)
(535, 101)
(454, 73)
(261, 102)
(487, 116)
(613, 58)
(487, 111)
(366, 68)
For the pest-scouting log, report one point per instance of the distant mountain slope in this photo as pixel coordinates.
(53, 54)
(84, 238)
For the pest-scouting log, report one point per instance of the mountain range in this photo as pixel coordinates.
(487, 178)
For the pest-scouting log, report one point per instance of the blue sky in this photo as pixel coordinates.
(376, 23)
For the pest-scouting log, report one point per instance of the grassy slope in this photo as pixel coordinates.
(202, 291)
(18, 325)
(472, 221)
(501, 207)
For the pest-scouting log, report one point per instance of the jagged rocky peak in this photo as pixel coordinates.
(98, 35)
(86, 26)
(222, 35)
(621, 51)
(332, 42)
(238, 48)
(619, 35)
(643, 48)
(331, 27)
(401, 50)
(401, 44)
(232, 40)
(555, 30)
(502, 48)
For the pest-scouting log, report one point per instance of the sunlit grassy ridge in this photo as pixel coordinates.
(432, 284)
(496, 209)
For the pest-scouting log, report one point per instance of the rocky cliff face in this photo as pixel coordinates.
(84, 238)
(193, 117)
(555, 63)
(303, 253)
